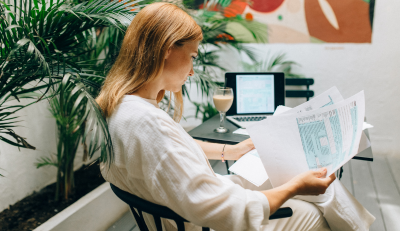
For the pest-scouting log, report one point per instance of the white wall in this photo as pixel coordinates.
(374, 68)
(21, 178)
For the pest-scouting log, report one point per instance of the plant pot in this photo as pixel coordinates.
(97, 210)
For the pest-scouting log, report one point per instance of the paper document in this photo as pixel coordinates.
(281, 109)
(364, 143)
(250, 167)
(328, 97)
(367, 125)
(323, 132)
(241, 131)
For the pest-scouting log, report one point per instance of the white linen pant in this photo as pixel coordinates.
(335, 210)
(306, 216)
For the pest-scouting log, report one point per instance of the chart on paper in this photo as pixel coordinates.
(325, 132)
(328, 138)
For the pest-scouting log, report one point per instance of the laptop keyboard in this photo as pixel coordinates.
(249, 118)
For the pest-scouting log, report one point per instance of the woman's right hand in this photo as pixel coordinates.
(308, 183)
(311, 182)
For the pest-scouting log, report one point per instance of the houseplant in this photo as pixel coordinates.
(214, 20)
(41, 43)
(41, 59)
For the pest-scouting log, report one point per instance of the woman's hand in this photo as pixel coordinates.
(308, 183)
(241, 148)
(311, 182)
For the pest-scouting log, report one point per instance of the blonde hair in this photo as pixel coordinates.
(154, 30)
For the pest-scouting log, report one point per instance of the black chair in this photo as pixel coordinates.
(159, 211)
(300, 93)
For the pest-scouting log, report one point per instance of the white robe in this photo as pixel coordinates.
(158, 161)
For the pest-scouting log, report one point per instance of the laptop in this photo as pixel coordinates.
(256, 96)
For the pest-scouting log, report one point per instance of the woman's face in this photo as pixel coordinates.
(179, 65)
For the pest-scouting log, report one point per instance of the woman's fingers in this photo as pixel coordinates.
(320, 173)
(328, 181)
(331, 178)
(313, 182)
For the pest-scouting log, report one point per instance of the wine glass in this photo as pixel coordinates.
(223, 98)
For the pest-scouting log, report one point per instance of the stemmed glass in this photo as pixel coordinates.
(223, 98)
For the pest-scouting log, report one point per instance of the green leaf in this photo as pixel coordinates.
(45, 161)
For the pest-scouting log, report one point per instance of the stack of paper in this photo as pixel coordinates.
(323, 132)
(241, 131)
(250, 168)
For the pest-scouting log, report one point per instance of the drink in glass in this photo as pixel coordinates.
(223, 98)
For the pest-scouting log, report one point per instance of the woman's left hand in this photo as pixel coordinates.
(242, 148)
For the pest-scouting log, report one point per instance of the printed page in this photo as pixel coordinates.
(281, 110)
(250, 167)
(290, 144)
(364, 143)
(328, 97)
(241, 131)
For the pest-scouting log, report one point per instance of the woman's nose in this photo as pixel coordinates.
(191, 73)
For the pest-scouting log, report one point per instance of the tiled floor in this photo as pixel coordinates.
(375, 184)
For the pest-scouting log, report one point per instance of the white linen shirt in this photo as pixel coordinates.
(157, 160)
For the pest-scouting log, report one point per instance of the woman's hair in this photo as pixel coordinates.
(154, 30)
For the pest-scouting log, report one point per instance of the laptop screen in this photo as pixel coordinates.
(255, 94)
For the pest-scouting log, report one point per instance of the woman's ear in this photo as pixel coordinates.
(168, 53)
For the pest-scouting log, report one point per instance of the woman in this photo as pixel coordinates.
(157, 160)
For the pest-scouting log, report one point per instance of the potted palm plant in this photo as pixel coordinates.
(41, 48)
(41, 44)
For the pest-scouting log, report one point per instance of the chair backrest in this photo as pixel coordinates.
(300, 82)
(159, 211)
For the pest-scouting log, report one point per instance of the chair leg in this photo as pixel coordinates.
(181, 225)
(157, 220)
(227, 167)
(139, 220)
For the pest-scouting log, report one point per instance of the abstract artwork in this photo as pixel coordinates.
(308, 21)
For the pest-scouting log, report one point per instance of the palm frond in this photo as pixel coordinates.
(40, 43)
(277, 62)
(45, 161)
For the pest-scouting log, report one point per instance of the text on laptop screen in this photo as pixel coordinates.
(255, 94)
